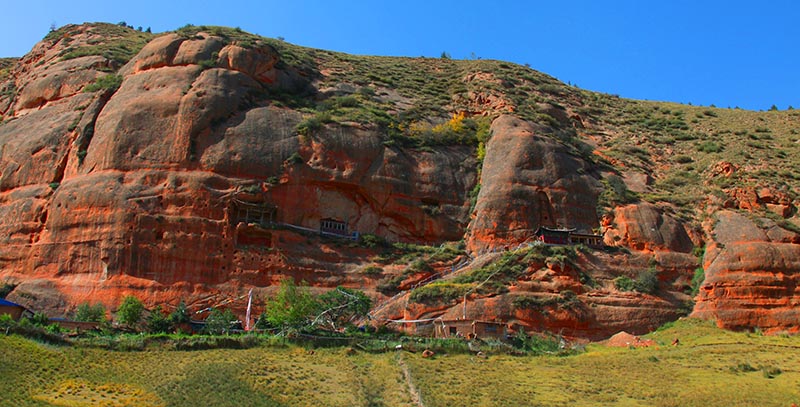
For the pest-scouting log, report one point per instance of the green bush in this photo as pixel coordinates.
(158, 322)
(770, 372)
(538, 343)
(615, 192)
(180, 315)
(207, 64)
(439, 293)
(219, 321)
(624, 283)
(292, 306)
(567, 299)
(373, 270)
(697, 280)
(709, 147)
(390, 285)
(340, 307)
(295, 158)
(108, 82)
(130, 311)
(372, 241)
(419, 266)
(647, 281)
(90, 313)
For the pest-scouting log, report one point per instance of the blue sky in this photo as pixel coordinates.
(726, 53)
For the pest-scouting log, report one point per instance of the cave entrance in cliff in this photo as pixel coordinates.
(260, 213)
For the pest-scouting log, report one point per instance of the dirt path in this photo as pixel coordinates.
(416, 398)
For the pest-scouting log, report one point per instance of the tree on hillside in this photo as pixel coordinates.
(130, 311)
(292, 307)
(90, 313)
(180, 315)
(219, 322)
(158, 322)
(341, 306)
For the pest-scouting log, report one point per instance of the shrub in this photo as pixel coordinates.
(130, 311)
(567, 299)
(615, 192)
(743, 367)
(219, 321)
(81, 155)
(6, 321)
(295, 158)
(157, 322)
(647, 281)
(108, 82)
(624, 283)
(439, 293)
(390, 285)
(313, 123)
(342, 306)
(292, 306)
(770, 372)
(373, 270)
(208, 63)
(40, 319)
(90, 313)
(372, 241)
(709, 147)
(697, 280)
(536, 344)
(420, 265)
(180, 315)
(529, 302)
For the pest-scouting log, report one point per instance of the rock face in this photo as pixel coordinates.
(212, 166)
(648, 228)
(140, 192)
(528, 181)
(752, 274)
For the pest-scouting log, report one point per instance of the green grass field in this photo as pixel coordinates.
(710, 367)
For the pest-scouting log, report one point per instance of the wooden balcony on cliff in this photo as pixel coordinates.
(587, 239)
(333, 227)
(563, 236)
(259, 213)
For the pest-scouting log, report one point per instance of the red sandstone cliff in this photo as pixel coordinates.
(145, 189)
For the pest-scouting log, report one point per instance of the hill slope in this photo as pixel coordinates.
(192, 166)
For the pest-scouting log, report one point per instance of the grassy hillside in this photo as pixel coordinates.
(709, 367)
(677, 146)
